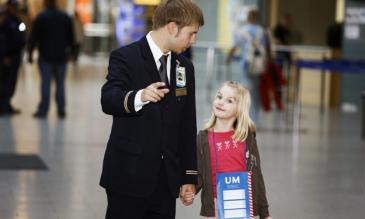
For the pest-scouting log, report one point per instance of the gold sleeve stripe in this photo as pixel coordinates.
(126, 102)
(192, 172)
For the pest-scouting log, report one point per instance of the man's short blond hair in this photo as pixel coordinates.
(182, 12)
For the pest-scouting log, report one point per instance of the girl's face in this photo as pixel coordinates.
(225, 103)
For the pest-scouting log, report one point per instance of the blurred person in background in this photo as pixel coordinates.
(272, 81)
(282, 36)
(3, 52)
(3, 40)
(334, 36)
(53, 34)
(250, 38)
(79, 35)
(3, 36)
(14, 29)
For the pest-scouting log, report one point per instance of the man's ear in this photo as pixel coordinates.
(172, 28)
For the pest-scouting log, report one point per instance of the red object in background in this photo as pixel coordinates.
(84, 10)
(271, 83)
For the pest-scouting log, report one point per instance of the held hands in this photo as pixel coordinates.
(187, 194)
(154, 92)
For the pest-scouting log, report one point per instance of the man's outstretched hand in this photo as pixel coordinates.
(154, 92)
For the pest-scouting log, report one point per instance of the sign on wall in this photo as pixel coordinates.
(355, 17)
(130, 22)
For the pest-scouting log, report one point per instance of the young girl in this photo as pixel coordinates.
(234, 137)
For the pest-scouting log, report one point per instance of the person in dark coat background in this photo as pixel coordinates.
(53, 34)
(283, 37)
(14, 30)
(3, 38)
(3, 51)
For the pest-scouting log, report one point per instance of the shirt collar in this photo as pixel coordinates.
(156, 51)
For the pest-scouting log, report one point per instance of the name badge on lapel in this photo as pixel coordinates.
(181, 91)
(180, 75)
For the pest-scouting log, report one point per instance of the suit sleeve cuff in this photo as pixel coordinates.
(191, 177)
(138, 104)
(128, 102)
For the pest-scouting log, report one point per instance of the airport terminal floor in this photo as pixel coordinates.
(315, 173)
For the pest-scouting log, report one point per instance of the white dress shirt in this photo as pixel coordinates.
(157, 53)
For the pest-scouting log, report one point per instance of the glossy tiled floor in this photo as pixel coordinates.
(319, 173)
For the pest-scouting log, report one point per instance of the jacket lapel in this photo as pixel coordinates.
(149, 62)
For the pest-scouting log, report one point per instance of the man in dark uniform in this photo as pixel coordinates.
(15, 31)
(151, 153)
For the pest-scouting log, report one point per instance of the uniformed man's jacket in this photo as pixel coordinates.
(138, 140)
(260, 203)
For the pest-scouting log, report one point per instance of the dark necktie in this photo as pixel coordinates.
(163, 69)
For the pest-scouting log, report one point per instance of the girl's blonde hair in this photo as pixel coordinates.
(243, 122)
